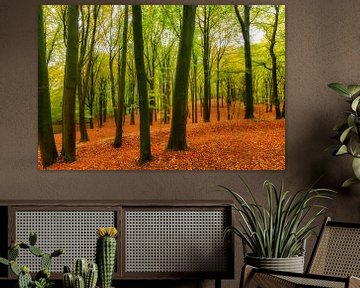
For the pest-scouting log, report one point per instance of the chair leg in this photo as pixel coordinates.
(246, 274)
(217, 283)
(251, 279)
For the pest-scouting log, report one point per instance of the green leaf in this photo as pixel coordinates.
(356, 167)
(351, 120)
(342, 150)
(353, 89)
(345, 90)
(354, 145)
(340, 88)
(349, 182)
(14, 268)
(345, 134)
(355, 103)
(4, 261)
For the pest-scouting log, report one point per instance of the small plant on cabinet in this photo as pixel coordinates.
(42, 278)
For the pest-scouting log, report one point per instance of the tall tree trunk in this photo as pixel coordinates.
(177, 140)
(89, 76)
(80, 87)
(112, 89)
(218, 88)
(245, 29)
(111, 69)
(194, 92)
(121, 81)
(206, 65)
(283, 108)
(45, 131)
(274, 64)
(132, 98)
(105, 108)
(102, 97)
(69, 94)
(100, 117)
(145, 149)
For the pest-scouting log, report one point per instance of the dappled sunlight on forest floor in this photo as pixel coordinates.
(236, 144)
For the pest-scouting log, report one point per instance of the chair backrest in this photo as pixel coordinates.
(337, 251)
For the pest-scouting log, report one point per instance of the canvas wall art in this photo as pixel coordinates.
(161, 87)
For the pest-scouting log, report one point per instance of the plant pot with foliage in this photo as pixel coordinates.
(274, 234)
(22, 272)
(349, 131)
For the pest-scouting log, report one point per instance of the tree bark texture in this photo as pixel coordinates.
(274, 64)
(80, 87)
(245, 29)
(69, 94)
(177, 140)
(45, 131)
(121, 82)
(145, 149)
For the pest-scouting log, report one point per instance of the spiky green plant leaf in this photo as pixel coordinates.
(345, 90)
(349, 182)
(356, 167)
(342, 150)
(32, 238)
(279, 228)
(4, 261)
(355, 103)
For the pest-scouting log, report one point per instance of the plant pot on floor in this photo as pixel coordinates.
(290, 264)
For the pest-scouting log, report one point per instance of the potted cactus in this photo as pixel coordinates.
(42, 278)
(106, 254)
(85, 275)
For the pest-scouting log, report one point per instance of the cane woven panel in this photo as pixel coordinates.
(338, 253)
(174, 241)
(312, 282)
(74, 231)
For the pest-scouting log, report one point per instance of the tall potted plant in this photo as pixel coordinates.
(349, 131)
(275, 233)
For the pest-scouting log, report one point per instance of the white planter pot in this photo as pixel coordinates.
(291, 264)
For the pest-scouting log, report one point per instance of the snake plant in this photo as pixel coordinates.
(279, 228)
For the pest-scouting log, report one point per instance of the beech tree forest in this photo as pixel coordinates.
(161, 87)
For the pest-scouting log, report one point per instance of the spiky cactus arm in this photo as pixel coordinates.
(79, 282)
(105, 254)
(68, 280)
(91, 276)
(45, 261)
(105, 257)
(24, 280)
(32, 238)
(80, 268)
(4, 261)
(13, 253)
(14, 268)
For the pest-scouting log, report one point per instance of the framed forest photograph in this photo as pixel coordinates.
(161, 87)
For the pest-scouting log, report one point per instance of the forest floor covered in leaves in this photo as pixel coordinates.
(237, 144)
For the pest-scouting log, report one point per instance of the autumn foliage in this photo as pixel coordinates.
(237, 144)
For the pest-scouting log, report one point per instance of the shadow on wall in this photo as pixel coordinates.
(334, 170)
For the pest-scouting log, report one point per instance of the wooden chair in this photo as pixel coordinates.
(335, 262)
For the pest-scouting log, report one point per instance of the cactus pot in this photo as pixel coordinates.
(291, 264)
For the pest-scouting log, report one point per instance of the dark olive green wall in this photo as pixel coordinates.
(323, 46)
